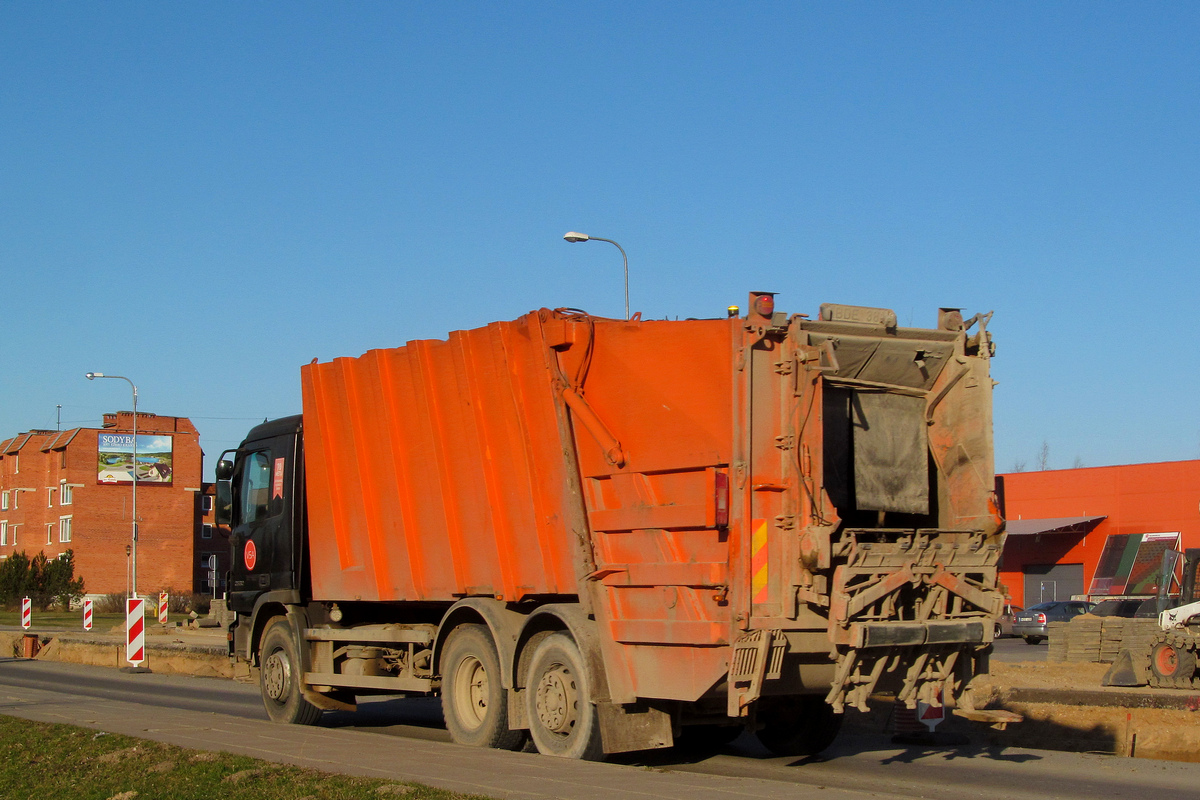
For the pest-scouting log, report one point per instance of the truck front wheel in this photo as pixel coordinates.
(279, 677)
(562, 721)
(474, 702)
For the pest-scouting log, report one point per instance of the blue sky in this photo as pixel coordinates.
(203, 197)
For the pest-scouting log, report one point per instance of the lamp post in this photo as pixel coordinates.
(574, 236)
(134, 540)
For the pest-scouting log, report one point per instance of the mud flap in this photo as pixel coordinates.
(633, 726)
(1128, 669)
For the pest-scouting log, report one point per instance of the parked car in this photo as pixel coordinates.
(1033, 623)
(1117, 608)
(1149, 608)
(1004, 625)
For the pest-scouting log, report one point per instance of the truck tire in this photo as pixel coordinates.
(474, 702)
(562, 721)
(797, 726)
(1172, 664)
(279, 677)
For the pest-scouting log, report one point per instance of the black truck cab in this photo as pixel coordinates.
(263, 498)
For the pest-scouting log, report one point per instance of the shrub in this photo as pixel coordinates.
(14, 578)
(111, 603)
(53, 581)
(180, 603)
(44, 580)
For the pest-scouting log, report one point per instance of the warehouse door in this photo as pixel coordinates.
(1046, 582)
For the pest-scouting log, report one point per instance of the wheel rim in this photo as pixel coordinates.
(277, 675)
(1166, 661)
(471, 692)
(557, 700)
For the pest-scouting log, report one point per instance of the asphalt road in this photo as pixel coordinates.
(1015, 650)
(856, 766)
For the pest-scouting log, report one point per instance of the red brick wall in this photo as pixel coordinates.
(101, 513)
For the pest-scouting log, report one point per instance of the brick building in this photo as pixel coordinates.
(1097, 531)
(71, 489)
(212, 540)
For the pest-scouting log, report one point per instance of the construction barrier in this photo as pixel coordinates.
(26, 613)
(135, 631)
(162, 608)
(87, 615)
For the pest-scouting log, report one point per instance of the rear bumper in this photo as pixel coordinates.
(1028, 629)
(901, 634)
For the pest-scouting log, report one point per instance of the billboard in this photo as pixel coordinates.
(1131, 563)
(115, 458)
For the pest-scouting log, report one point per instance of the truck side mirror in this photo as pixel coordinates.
(224, 469)
(224, 507)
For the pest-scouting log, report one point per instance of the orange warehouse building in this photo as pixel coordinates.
(1097, 531)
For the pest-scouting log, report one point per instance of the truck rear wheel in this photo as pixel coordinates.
(562, 721)
(1172, 664)
(474, 702)
(797, 726)
(279, 677)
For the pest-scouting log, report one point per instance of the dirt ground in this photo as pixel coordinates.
(1171, 735)
(171, 656)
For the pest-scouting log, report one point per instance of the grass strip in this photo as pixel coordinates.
(73, 620)
(71, 763)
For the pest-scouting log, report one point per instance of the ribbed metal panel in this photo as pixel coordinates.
(436, 470)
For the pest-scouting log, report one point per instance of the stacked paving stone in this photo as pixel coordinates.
(1057, 634)
(1083, 641)
(1139, 634)
(1112, 634)
(1088, 638)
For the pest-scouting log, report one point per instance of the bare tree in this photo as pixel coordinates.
(1043, 458)
(1018, 466)
(1078, 463)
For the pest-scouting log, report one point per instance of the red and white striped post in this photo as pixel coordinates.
(26, 613)
(162, 608)
(929, 714)
(87, 615)
(135, 631)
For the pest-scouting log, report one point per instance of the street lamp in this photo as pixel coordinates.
(574, 236)
(134, 540)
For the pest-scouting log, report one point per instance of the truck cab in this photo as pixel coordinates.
(260, 496)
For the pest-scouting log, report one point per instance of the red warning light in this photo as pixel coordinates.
(764, 305)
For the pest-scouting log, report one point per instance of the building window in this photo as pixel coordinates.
(3, 501)
(64, 529)
(66, 494)
(206, 531)
(206, 503)
(49, 497)
(49, 533)
(3, 532)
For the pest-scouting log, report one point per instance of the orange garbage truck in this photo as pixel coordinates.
(601, 535)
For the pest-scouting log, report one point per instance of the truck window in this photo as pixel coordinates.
(256, 486)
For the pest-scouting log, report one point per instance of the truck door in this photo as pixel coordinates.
(263, 512)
